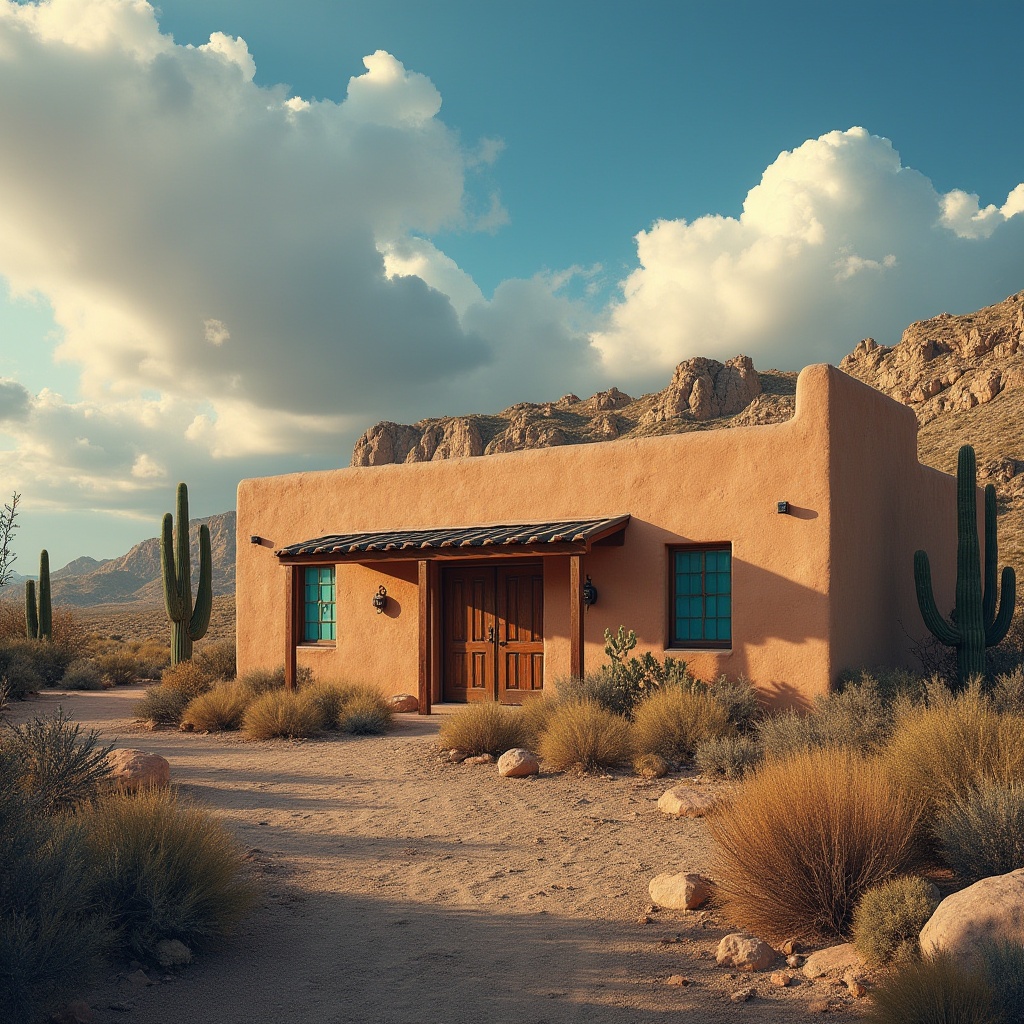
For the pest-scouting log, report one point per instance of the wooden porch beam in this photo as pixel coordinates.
(426, 574)
(576, 615)
(290, 591)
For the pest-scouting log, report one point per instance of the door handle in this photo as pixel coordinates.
(503, 643)
(490, 634)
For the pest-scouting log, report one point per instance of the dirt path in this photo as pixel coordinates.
(400, 889)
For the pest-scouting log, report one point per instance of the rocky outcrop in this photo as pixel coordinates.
(705, 389)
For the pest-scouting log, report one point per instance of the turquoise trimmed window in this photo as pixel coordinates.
(319, 608)
(700, 611)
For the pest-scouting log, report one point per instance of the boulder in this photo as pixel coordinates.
(744, 951)
(990, 909)
(833, 960)
(404, 702)
(684, 802)
(683, 890)
(172, 953)
(518, 763)
(136, 769)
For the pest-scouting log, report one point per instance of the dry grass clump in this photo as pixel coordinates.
(217, 658)
(672, 721)
(281, 713)
(162, 705)
(889, 919)
(954, 744)
(366, 712)
(120, 668)
(218, 709)
(728, 756)
(484, 727)
(83, 674)
(585, 737)
(935, 990)
(981, 832)
(534, 716)
(806, 837)
(188, 678)
(651, 766)
(165, 870)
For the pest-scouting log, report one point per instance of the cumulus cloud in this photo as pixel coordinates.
(838, 240)
(14, 400)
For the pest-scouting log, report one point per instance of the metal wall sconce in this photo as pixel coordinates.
(589, 593)
(782, 508)
(380, 599)
(255, 539)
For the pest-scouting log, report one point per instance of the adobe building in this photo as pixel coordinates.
(783, 553)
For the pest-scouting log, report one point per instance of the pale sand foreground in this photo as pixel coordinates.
(400, 889)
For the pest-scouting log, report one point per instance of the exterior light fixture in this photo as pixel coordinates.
(589, 593)
(380, 599)
(782, 508)
(255, 539)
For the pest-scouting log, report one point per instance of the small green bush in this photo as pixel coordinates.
(18, 674)
(728, 756)
(1003, 966)
(585, 737)
(484, 727)
(121, 668)
(217, 658)
(889, 919)
(281, 713)
(805, 838)
(739, 698)
(981, 832)
(162, 705)
(217, 710)
(164, 870)
(49, 660)
(935, 990)
(188, 678)
(82, 675)
(673, 720)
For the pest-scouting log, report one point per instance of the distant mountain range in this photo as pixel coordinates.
(135, 577)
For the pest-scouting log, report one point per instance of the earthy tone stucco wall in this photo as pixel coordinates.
(814, 591)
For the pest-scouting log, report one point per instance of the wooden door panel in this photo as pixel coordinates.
(520, 632)
(469, 625)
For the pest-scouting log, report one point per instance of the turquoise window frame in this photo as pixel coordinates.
(319, 604)
(700, 611)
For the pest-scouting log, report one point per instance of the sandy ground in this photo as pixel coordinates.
(397, 888)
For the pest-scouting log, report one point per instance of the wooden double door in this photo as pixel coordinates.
(493, 632)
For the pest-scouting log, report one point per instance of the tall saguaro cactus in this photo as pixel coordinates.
(187, 624)
(976, 624)
(39, 623)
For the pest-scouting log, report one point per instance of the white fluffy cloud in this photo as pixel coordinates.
(837, 241)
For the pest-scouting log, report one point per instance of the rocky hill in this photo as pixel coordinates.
(135, 577)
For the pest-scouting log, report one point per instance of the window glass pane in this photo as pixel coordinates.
(701, 595)
(319, 607)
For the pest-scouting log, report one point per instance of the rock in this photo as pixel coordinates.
(742, 995)
(77, 1012)
(683, 890)
(684, 802)
(651, 766)
(745, 951)
(791, 946)
(678, 980)
(518, 763)
(186, 727)
(135, 769)
(139, 979)
(992, 908)
(644, 919)
(855, 984)
(481, 759)
(703, 389)
(833, 960)
(818, 1006)
(402, 702)
(782, 979)
(794, 960)
(385, 443)
(172, 953)
(457, 756)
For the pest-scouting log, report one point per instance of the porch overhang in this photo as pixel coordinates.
(564, 537)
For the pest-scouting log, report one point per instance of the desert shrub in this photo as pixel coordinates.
(651, 766)
(18, 674)
(1008, 655)
(365, 713)
(151, 656)
(952, 745)
(122, 668)
(261, 680)
(329, 699)
(935, 990)
(598, 687)
(217, 658)
(82, 674)
(534, 716)
(484, 727)
(729, 756)
(587, 737)
(162, 705)
(739, 698)
(806, 837)
(673, 720)
(218, 709)
(164, 870)
(981, 832)
(187, 677)
(1003, 966)
(281, 713)
(1007, 694)
(58, 766)
(889, 919)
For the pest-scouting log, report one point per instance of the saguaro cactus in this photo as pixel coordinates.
(976, 624)
(39, 623)
(187, 624)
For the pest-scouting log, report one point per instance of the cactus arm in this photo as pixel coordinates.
(991, 557)
(31, 619)
(182, 555)
(996, 632)
(172, 594)
(940, 628)
(204, 597)
(45, 607)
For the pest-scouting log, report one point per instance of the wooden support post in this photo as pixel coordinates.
(426, 654)
(576, 616)
(290, 596)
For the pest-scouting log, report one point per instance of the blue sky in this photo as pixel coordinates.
(222, 258)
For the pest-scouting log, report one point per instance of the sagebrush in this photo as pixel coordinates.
(889, 919)
(585, 737)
